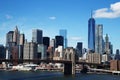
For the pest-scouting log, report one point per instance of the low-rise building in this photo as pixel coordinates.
(93, 58)
(115, 65)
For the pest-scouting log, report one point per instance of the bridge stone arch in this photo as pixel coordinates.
(69, 55)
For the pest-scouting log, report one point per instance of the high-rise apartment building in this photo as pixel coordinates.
(91, 34)
(99, 39)
(63, 33)
(37, 36)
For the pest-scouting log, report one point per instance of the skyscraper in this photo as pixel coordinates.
(79, 49)
(46, 41)
(107, 50)
(16, 36)
(30, 51)
(117, 55)
(99, 39)
(58, 41)
(37, 36)
(52, 43)
(9, 38)
(111, 48)
(22, 39)
(91, 34)
(2, 52)
(63, 33)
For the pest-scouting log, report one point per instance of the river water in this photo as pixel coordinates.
(38, 75)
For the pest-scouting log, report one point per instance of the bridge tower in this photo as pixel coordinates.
(69, 55)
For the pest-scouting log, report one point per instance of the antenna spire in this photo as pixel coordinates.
(91, 14)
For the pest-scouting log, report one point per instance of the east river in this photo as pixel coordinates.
(39, 75)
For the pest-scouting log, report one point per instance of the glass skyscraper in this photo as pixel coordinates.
(59, 41)
(79, 48)
(91, 34)
(99, 39)
(63, 32)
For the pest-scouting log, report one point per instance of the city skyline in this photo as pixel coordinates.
(51, 16)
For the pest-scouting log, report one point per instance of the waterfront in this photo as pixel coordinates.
(39, 75)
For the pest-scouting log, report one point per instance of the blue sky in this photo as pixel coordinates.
(52, 15)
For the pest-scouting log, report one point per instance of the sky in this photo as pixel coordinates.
(53, 15)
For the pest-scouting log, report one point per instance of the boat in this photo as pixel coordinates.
(25, 67)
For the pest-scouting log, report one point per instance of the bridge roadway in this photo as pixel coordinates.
(69, 65)
(46, 61)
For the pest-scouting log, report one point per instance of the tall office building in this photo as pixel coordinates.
(111, 48)
(63, 33)
(22, 39)
(52, 43)
(2, 52)
(117, 55)
(46, 41)
(99, 39)
(52, 46)
(59, 41)
(30, 51)
(16, 36)
(91, 34)
(9, 38)
(9, 44)
(107, 50)
(79, 49)
(37, 36)
(42, 51)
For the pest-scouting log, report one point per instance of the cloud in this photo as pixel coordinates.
(112, 12)
(75, 38)
(52, 17)
(7, 16)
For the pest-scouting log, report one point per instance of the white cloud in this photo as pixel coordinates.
(52, 17)
(75, 38)
(112, 12)
(8, 16)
